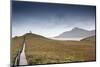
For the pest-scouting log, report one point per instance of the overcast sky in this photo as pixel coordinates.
(50, 19)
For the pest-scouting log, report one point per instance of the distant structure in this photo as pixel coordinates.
(30, 31)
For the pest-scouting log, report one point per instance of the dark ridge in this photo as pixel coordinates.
(91, 38)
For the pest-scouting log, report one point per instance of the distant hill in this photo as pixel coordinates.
(76, 33)
(92, 38)
(33, 35)
(30, 35)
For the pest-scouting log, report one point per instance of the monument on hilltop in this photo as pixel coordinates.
(30, 31)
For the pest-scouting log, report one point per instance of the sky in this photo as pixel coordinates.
(50, 20)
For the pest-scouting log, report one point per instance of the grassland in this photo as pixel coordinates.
(16, 46)
(40, 50)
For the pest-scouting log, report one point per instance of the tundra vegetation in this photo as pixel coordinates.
(41, 50)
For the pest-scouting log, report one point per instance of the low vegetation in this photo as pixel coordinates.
(41, 50)
(16, 46)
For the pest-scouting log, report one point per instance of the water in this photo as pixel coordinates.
(23, 60)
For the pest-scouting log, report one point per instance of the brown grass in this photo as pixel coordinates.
(16, 46)
(44, 51)
(40, 50)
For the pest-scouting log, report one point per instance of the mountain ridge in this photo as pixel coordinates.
(76, 33)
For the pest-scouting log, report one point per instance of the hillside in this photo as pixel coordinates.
(16, 46)
(92, 38)
(41, 50)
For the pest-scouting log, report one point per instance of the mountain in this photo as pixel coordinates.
(76, 33)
